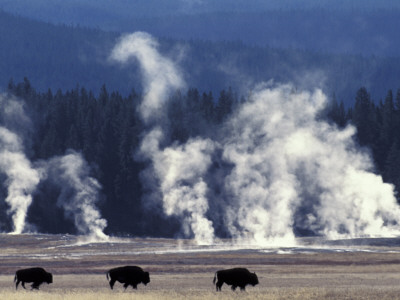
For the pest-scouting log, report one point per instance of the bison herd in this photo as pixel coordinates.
(133, 275)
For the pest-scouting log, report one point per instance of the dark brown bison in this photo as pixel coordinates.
(237, 277)
(128, 275)
(35, 275)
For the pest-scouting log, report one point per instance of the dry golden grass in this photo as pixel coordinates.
(365, 293)
(342, 284)
(79, 272)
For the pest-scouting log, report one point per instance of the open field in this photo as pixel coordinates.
(179, 270)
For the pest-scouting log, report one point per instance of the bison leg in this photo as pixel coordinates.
(219, 285)
(233, 287)
(35, 286)
(112, 282)
(23, 284)
(126, 285)
(16, 284)
(243, 288)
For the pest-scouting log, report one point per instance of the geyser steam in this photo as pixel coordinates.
(179, 170)
(160, 74)
(79, 193)
(22, 178)
(287, 169)
(293, 169)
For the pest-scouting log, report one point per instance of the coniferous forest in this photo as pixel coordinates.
(107, 130)
(209, 145)
(78, 101)
(61, 56)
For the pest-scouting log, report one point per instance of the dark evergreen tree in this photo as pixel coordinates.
(364, 118)
(176, 118)
(207, 108)
(336, 112)
(226, 102)
(391, 171)
(397, 105)
(386, 130)
(73, 140)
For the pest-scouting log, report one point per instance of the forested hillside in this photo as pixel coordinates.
(60, 57)
(345, 27)
(212, 124)
(72, 11)
(107, 130)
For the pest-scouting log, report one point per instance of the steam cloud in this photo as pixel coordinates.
(79, 193)
(160, 75)
(290, 170)
(178, 169)
(22, 178)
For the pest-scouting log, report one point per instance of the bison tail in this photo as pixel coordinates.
(215, 277)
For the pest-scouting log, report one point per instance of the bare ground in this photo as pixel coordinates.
(79, 271)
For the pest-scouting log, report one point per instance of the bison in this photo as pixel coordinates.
(237, 277)
(128, 275)
(35, 275)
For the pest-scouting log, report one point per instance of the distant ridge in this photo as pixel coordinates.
(61, 57)
(365, 27)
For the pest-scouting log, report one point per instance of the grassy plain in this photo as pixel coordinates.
(79, 271)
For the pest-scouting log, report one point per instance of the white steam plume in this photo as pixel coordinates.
(79, 193)
(179, 170)
(160, 74)
(287, 163)
(289, 169)
(22, 178)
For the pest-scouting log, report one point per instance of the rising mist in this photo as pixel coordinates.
(290, 170)
(269, 171)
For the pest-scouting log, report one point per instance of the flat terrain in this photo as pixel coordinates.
(180, 270)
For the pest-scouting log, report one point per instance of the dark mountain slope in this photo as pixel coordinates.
(63, 56)
(346, 27)
(54, 56)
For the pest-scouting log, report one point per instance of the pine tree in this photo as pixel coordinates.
(225, 105)
(207, 107)
(364, 118)
(391, 172)
(336, 112)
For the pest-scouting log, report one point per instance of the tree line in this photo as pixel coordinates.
(378, 129)
(107, 130)
(60, 56)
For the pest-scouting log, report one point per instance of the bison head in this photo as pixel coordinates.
(253, 279)
(146, 278)
(49, 278)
